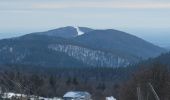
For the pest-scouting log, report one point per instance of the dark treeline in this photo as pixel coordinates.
(55, 82)
(121, 83)
(156, 75)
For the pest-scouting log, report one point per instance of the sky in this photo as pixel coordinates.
(148, 19)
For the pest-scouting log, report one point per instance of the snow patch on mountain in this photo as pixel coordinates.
(79, 31)
(91, 57)
(11, 49)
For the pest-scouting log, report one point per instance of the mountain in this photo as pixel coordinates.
(54, 51)
(85, 29)
(66, 32)
(119, 42)
(33, 50)
(76, 47)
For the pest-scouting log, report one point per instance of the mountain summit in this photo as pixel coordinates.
(66, 32)
(77, 47)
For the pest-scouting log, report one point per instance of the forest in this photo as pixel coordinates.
(121, 83)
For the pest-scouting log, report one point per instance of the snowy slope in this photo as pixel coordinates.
(79, 31)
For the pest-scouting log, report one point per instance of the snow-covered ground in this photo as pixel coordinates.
(79, 31)
(42, 98)
(110, 98)
(10, 95)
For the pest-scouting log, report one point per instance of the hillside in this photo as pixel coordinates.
(65, 47)
(121, 42)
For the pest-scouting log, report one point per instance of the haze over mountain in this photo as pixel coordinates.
(147, 19)
(157, 36)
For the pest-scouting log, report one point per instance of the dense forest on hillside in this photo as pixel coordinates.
(100, 82)
(156, 79)
(55, 82)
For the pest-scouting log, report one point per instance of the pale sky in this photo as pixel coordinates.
(149, 19)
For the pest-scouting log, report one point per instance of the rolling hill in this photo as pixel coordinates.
(66, 47)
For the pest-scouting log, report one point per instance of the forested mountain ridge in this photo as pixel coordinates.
(114, 40)
(77, 46)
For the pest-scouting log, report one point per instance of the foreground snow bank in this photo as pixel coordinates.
(10, 95)
(110, 98)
